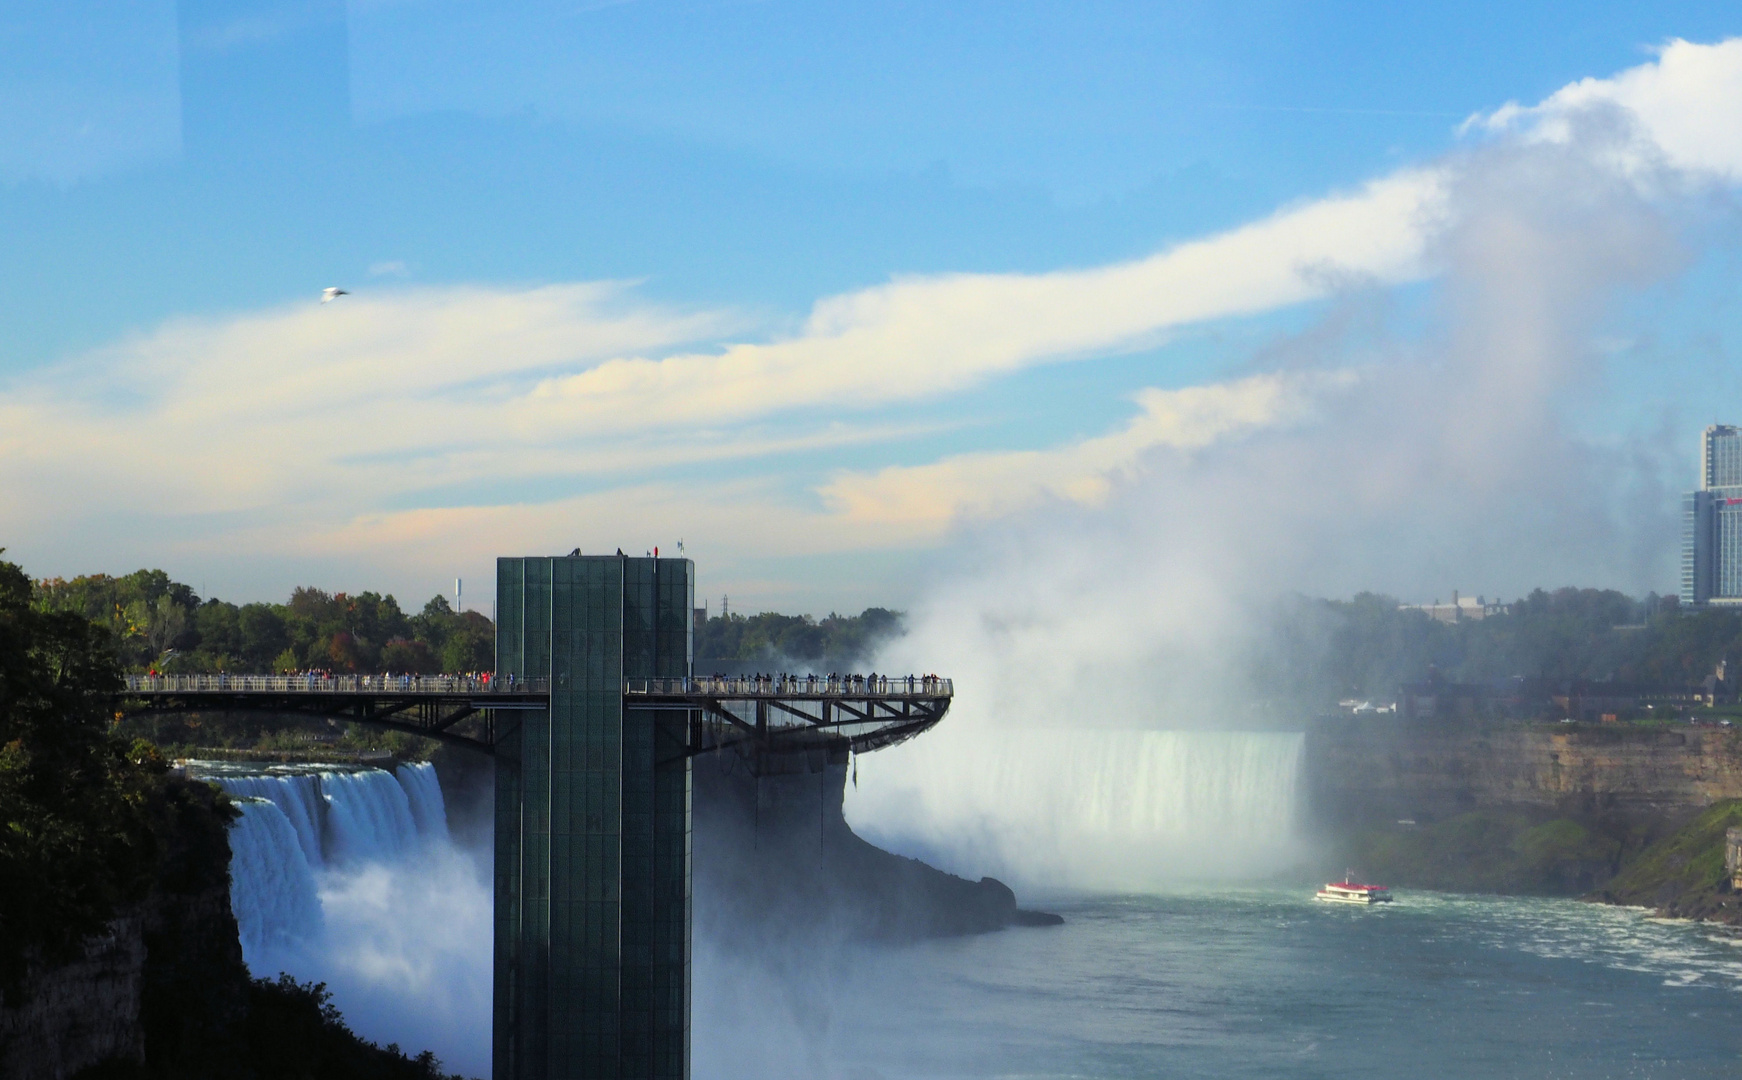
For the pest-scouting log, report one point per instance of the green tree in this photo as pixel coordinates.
(471, 646)
(837, 642)
(77, 806)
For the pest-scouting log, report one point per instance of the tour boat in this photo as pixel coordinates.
(1347, 892)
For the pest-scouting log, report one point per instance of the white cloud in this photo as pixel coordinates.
(399, 394)
(916, 338)
(1687, 105)
(927, 500)
(334, 404)
(310, 427)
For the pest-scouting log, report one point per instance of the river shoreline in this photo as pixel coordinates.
(1608, 813)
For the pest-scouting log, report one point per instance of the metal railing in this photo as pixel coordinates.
(737, 686)
(750, 686)
(334, 684)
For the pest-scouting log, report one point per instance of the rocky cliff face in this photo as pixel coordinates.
(776, 855)
(163, 979)
(1514, 808)
(1362, 771)
(78, 1014)
(160, 985)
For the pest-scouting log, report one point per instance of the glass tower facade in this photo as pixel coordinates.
(1721, 457)
(1696, 580)
(593, 899)
(1712, 522)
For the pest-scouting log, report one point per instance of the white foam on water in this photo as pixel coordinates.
(1679, 952)
(407, 952)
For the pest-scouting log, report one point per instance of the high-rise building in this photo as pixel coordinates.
(1712, 522)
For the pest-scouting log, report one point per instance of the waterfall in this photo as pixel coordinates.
(368, 815)
(424, 792)
(352, 814)
(297, 822)
(298, 797)
(347, 876)
(1138, 786)
(272, 888)
(1087, 808)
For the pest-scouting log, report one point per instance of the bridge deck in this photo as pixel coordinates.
(774, 717)
(454, 686)
(736, 688)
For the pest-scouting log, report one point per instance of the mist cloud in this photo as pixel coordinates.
(1450, 461)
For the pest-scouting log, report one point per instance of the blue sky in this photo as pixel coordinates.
(173, 182)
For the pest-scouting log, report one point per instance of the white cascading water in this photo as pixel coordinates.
(294, 824)
(349, 877)
(272, 887)
(423, 793)
(297, 796)
(1087, 808)
(368, 816)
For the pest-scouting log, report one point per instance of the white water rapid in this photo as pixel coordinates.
(349, 877)
(1086, 808)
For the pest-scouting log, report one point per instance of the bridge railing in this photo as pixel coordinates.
(750, 686)
(737, 686)
(334, 684)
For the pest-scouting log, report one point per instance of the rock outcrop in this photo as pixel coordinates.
(776, 854)
(1361, 770)
(165, 980)
(74, 1015)
(1684, 875)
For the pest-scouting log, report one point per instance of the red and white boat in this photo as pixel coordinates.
(1347, 891)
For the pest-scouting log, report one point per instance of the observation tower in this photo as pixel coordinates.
(593, 716)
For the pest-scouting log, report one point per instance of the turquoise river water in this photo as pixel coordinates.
(1268, 983)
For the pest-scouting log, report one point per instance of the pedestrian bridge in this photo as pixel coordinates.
(768, 718)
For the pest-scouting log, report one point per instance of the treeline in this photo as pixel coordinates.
(1326, 650)
(837, 642)
(155, 623)
(93, 824)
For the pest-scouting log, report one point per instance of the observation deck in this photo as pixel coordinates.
(775, 717)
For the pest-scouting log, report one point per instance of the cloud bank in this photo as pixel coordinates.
(419, 429)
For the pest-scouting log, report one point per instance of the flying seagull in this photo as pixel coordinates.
(331, 293)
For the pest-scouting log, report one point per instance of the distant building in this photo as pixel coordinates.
(1712, 522)
(1461, 609)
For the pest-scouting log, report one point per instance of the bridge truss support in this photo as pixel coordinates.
(474, 722)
